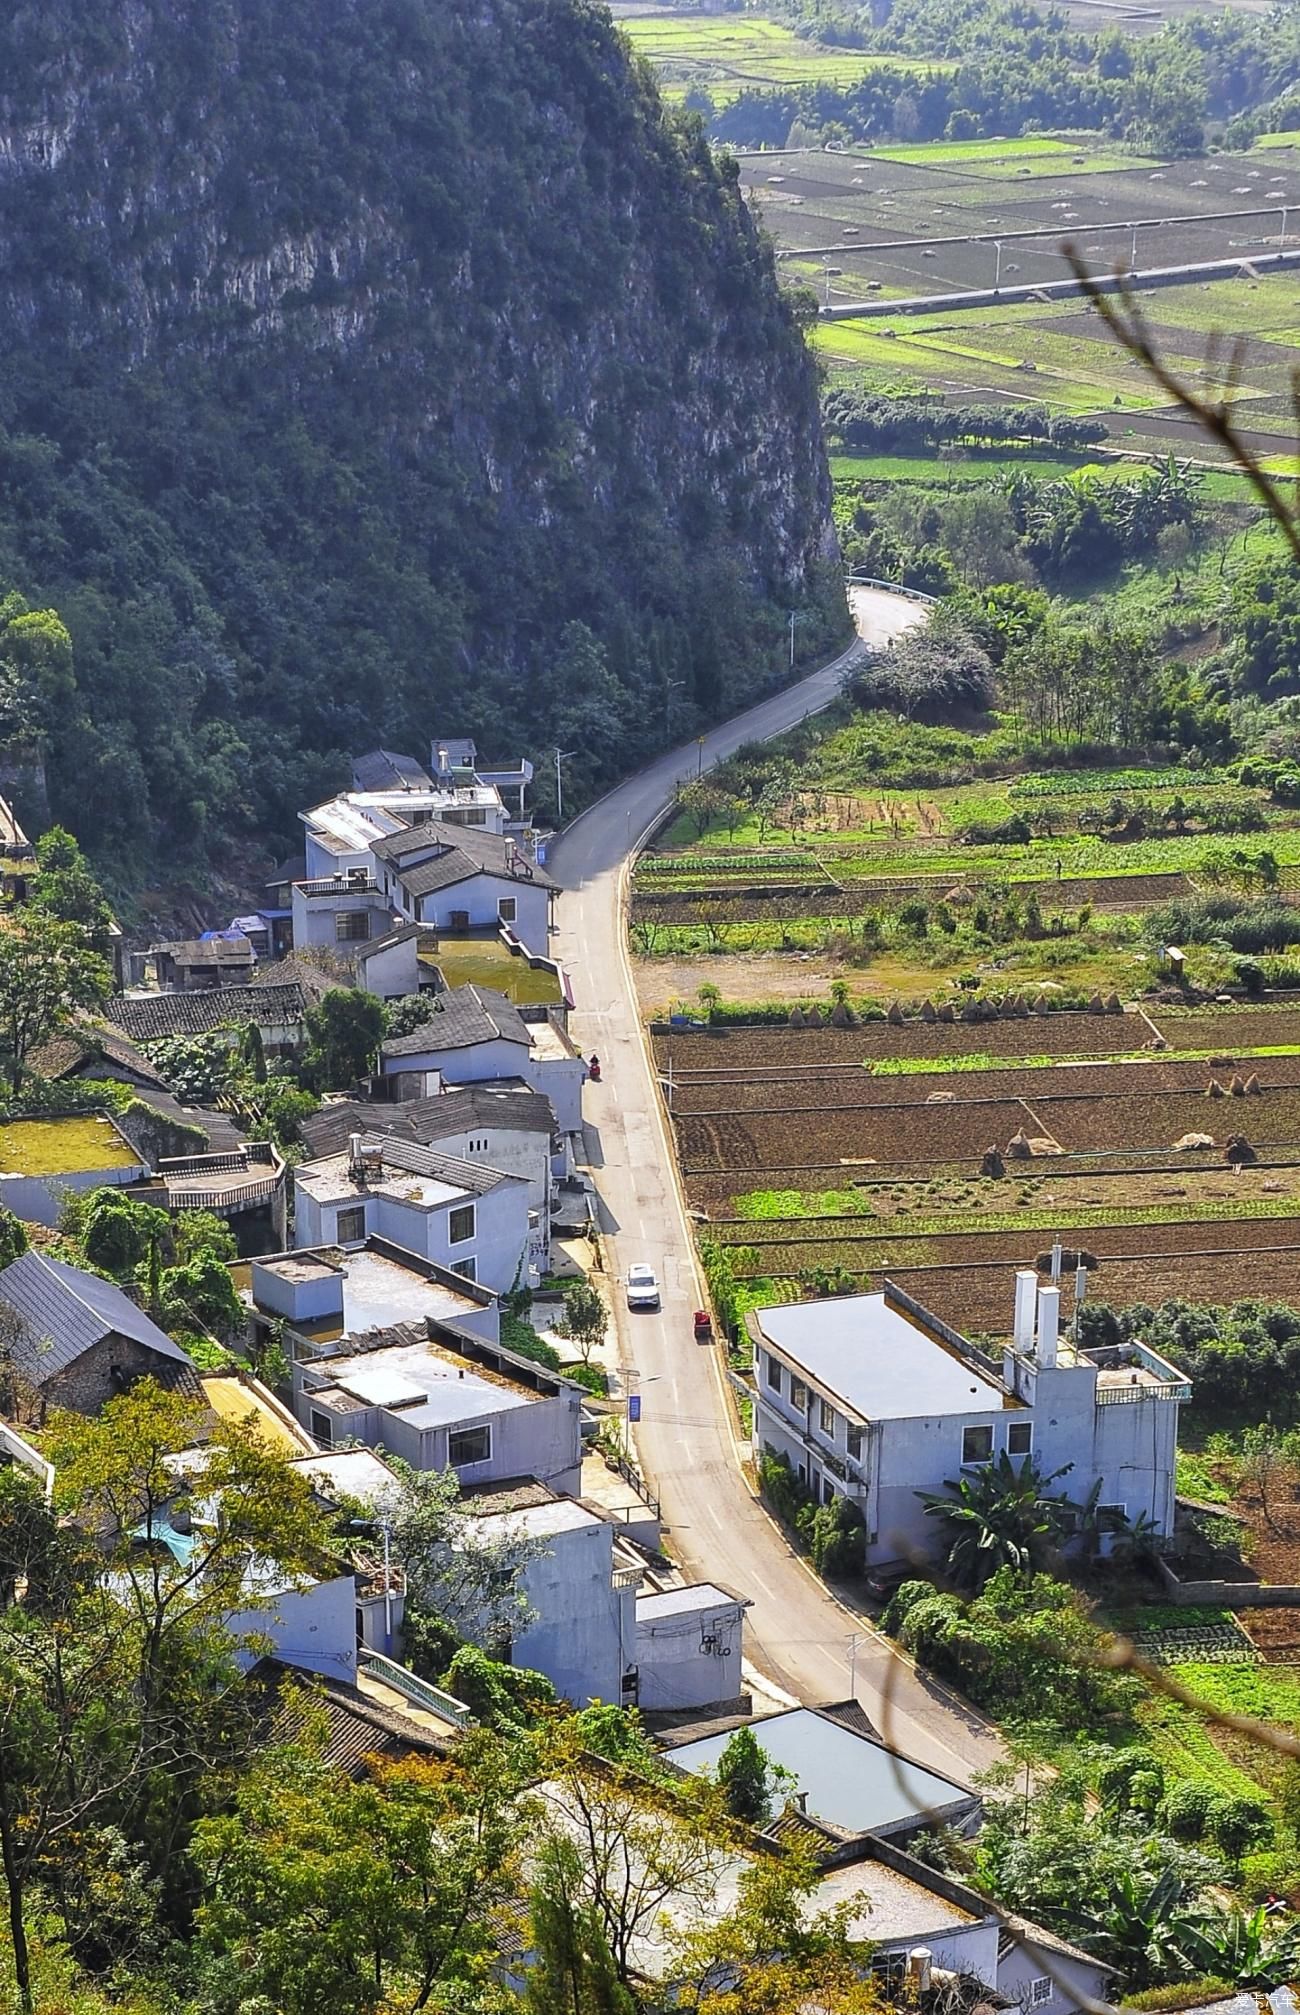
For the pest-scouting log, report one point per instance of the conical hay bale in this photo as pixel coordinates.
(841, 1015)
(1237, 1085)
(947, 1012)
(928, 1011)
(992, 1163)
(1096, 1005)
(1253, 1086)
(1018, 1147)
(795, 1017)
(813, 1018)
(895, 1013)
(1114, 1005)
(1214, 1089)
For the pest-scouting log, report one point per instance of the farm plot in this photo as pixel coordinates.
(741, 1050)
(726, 54)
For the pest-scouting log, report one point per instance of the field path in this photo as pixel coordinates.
(798, 1632)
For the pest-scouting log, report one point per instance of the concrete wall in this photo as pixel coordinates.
(674, 1671)
(582, 1633)
(472, 1065)
(499, 1247)
(972, 1948)
(393, 972)
(313, 1628)
(314, 916)
(480, 896)
(509, 1149)
(323, 863)
(1075, 1984)
(38, 1199)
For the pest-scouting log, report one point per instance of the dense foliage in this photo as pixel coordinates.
(1018, 69)
(371, 368)
(1243, 1361)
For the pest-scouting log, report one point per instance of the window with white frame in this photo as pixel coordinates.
(1040, 1991)
(855, 1443)
(976, 1445)
(350, 1225)
(826, 1418)
(774, 1374)
(351, 926)
(798, 1395)
(468, 1445)
(1020, 1437)
(322, 1427)
(507, 909)
(466, 1268)
(460, 1224)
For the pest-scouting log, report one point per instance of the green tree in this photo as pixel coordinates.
(48, 972)
(573, 1970)
(585, 1319)
(66, 888)
(200, 1294)
(13, 1237)
(326, 1896)
(344, 1029)
(745, 1778)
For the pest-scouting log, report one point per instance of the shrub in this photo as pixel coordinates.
(839, 1539)
(1185, 1812)
(1238, 1824)
(1132, 1781)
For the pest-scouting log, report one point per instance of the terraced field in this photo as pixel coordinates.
(805, 1163)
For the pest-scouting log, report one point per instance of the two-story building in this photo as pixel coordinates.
(451, 878)
(473, 1220)
(510, 1127)
(871, 1396)
(474, 1035)
(441, 1398)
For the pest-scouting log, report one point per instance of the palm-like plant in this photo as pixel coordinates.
(1005, 1515)
(1242, 1946)
(1143, 1925)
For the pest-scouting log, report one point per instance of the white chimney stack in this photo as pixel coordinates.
(1080, 1286)
(919, 1961)
(1049, 1325)
(1022, 1332)
(1056, 1262)
(354, 1155)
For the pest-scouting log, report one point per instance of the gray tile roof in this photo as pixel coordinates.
(65, 1312)
(460, 1018)
(388, 770)
(390, 938)
(466, 850)
(146, 1017)
(413, 1159)
(429, 1119)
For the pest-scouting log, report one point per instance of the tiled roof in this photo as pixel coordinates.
(67, 1052)
(460, 1018)
(145, 1017)
(314, 978)
(214, 951)
(429, 1119)
(65, 1312)
(386, 943)
(355, 1728)
(410, 1158)
(467, 850)
(388, 770)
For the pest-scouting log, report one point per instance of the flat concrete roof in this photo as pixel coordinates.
(352, 1472)
(378, 1291)
(431, 1388)
(541, 1521)
(682, 1601)
(849, 1781)
(881, 1364)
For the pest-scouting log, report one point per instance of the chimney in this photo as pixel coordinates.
(1049, 1325)
(1080, 1287)
(1056, 1262)
(1022, 1333)
(356, 1168)
(919, 1961)
(801, 1800)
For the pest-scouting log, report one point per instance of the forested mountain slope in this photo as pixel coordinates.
(368, 366)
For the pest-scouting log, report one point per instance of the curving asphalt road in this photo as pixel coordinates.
(798, 1634)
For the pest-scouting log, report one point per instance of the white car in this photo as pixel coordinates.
(642, 1287)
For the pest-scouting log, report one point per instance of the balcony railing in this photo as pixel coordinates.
(389, 1673)
(1129, 1395)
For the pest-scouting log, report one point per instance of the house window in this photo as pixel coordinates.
(466, 1268)
(468, 1445)
(322, 1427)
(460, 1224)
(774, 1374)
(350, 1225)
(798, 1395)
(351, 926)
(1113, 1512)
(1040, 1991)
(826, 1418)
(855, 1444)
(476, 816)
(1020, 1437)
(976, 1445)
(507, 909)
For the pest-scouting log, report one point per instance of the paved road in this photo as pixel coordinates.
(797, 1633)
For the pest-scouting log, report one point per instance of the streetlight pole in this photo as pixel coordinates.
(792, 641)
(1281, 236)
(858, 1637)
(997, 271)
(561, 756)
(1133, 253)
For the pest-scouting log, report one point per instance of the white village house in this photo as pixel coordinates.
(442, 1398)
(872, 1397)
(474, 1035)
(471, 1219)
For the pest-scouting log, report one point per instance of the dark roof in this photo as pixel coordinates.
(429, 1119)
(293, 868)
(387, 770)
(145, 1017)
(457, 853)
(412, 1159)
(65, 1312)
(313, 977)
(1022, 1931)
(81, 1048)
(460, 1018)
(362, 952)
(353, 1726)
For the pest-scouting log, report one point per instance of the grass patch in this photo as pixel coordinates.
(727, 54)
(76, 1145)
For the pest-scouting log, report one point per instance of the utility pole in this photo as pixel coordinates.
(997, 271)
(1281, 236)
(792, 640)
(1133, 254)
(858, 1637)
(699, 767)
(561, 756)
